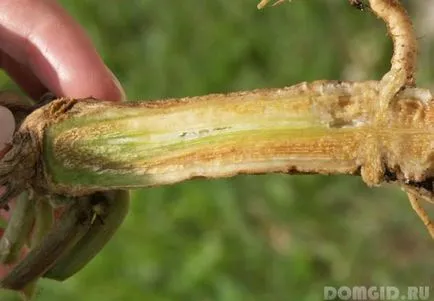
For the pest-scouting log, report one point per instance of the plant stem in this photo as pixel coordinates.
(322, 127)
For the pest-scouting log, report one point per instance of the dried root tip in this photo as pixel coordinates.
(264, 3)
(415, 204)
(403, 63)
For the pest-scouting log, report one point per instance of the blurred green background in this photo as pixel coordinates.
(274, 237)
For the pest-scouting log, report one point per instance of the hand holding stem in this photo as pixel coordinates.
(36, 38)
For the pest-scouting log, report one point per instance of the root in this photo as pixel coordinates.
(415, 204)
(264, 3)
(404, 59)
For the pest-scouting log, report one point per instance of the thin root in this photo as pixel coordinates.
(404, 59)
(264, 3)
(415, 204)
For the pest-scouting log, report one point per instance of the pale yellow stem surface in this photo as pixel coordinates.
(321, 127)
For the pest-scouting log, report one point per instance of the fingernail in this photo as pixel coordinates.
(117, 83)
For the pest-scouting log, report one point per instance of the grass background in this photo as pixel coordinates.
(274, 237)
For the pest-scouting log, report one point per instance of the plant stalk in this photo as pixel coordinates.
(324, 127)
